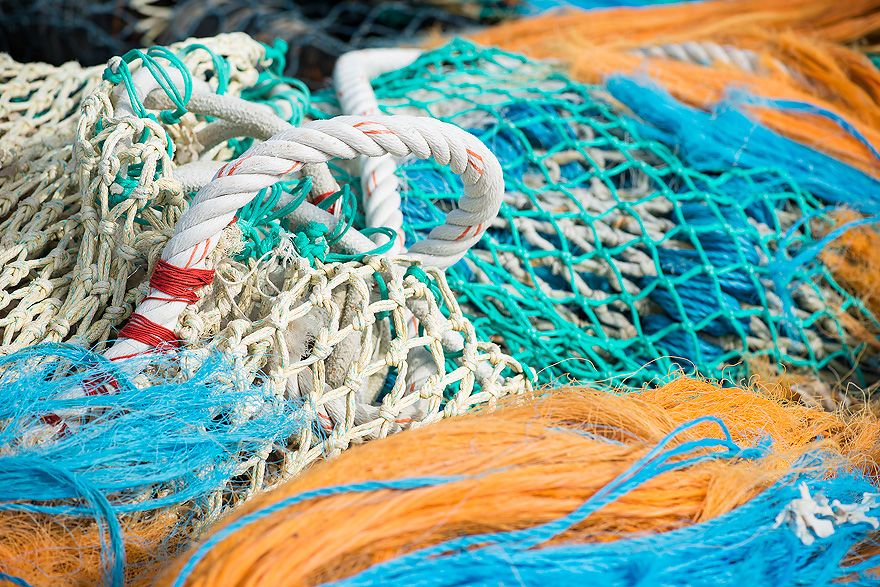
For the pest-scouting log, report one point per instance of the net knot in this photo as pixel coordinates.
(311, 242)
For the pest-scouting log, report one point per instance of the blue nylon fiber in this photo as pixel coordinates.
(133, 450)
(716, 141)
(14, 580)
(365, 487)
(739, 548)
(685, 348)
(701, 306)
(798, 106)
(783, 268)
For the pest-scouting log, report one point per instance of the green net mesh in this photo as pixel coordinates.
(610, 258)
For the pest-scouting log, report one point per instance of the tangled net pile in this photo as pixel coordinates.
(172, 345)
(610, 253)
(78, 249)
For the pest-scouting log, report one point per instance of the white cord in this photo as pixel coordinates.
(379, 183)
(344, 137)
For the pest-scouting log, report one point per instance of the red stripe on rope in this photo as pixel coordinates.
(148, 332)
(98, 385)
(180, 284)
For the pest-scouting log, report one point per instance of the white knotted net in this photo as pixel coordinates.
(88, 200)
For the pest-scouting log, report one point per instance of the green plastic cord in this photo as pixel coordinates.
(149, 60)
(559, 142)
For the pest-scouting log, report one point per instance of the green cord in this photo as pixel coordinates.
(149, 60)
(221, 66)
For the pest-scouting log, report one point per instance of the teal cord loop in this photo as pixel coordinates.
(383, 293)
(221, 66)
(273, 87)
(261, 225)
(149, 60)
(379, 250)
(421, 275)
(349, 208)
(239, 146)
(276, 53)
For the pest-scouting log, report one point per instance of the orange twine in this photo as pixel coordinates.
(798, 42)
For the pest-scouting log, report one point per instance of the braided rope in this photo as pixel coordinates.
(379, 182)
(237, 182)
(707, 53)
(83, 227)
(569, 274)
(352, 81)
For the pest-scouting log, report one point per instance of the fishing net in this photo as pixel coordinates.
(611, 259)
(57, 31)
(800, 69)
(90, 199)
(316, 33)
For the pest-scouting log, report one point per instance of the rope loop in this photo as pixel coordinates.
(237, 183)
(117, 72)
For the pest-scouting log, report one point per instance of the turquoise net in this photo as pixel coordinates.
(611, 259)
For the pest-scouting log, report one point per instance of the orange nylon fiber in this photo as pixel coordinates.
(800, 45)
(536, 460)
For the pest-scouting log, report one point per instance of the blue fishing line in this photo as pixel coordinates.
(655, 462)
(126, 449)
(798, 106)
(782, 271)
(744, 546)
(14, 580)
(726, 138)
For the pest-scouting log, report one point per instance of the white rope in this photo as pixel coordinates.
(379, 183)
(352, 78)
(707, 53)
(237, 118)
(704, 53)
(345, 137)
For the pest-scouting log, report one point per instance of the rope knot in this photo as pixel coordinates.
(311, 242)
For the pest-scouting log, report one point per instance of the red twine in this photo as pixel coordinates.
(180, 284)
(148, 332)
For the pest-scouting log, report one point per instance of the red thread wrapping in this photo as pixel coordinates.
(180, 284)
(148, 332)
(321, 197)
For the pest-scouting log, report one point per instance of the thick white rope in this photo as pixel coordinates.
(352, 80)
(379, 183)
(345, 137)
(237, 118)
(240, 118)
(704, 53)
(708, 53)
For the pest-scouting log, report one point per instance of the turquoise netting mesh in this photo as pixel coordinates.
(610, 258)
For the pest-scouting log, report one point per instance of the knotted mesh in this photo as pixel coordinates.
(611, 258)
(90, 198)
(91, 32)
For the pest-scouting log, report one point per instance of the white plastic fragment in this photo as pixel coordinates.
(813, 517)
